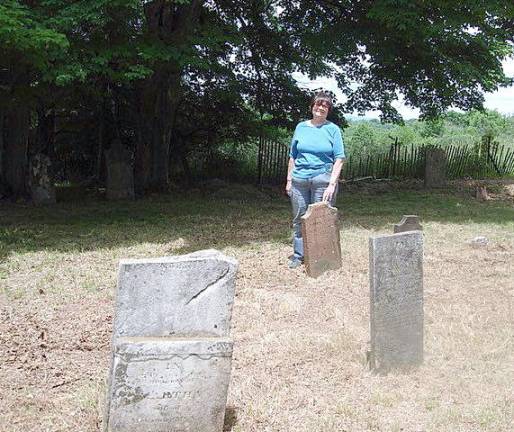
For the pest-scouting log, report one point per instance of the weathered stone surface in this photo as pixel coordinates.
(171, 351)
(481, 193)
(396, 301)
(42, 189)
(169, 384)
(320, 232)
(120, 172)
(182, 295)
(408, 223)
(435, 168)
(479, 241)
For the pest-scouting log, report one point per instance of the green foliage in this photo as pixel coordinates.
(27, 40)
(437, 54)
(453, 128)
(432, 128)
(182, 74)
(362, 139)
(487, 124)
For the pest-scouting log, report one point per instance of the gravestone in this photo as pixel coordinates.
(509, 189)
(120, 173)
(481, 193)
(408, 223)
(435, 168)
(396, 301)
(171, 346)
(42, 189)
(320, 232)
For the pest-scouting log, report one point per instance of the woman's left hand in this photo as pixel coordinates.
(329, 192)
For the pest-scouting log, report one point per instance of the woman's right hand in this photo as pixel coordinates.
(288, 187)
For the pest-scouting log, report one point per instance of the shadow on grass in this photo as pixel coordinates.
(379, 210)
(202, 220)
(233, 216)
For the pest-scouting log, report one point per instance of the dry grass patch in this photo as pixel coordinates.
(300, 344)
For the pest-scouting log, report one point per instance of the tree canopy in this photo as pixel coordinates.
(163, 76)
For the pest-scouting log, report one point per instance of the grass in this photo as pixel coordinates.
(300, 344)
(224, 218)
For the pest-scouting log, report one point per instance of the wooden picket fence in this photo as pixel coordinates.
(401, 161)
(273, 157)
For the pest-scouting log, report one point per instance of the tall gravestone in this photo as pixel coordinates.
(120, 172)
(171, 346)
(320, 232)
(435, 168)
(396, 300)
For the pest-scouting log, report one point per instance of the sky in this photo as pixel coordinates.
(501, 100)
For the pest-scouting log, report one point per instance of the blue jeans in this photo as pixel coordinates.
(303, 193)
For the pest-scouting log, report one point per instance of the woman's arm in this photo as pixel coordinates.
(289, 178)
(336, 171)
(334, 178)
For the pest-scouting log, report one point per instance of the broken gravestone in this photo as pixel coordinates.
(435, 168)
(408, 223)
(120, 172)
(320, 232)
(396, 301)
(172, 351)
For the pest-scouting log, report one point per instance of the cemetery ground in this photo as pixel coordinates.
(301, 344)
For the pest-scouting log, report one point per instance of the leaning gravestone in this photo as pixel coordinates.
(408, 223)
(320, 232)
(171, 346)
(396, 300)
(435, 168)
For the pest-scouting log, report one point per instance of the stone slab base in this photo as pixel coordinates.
(169, 384)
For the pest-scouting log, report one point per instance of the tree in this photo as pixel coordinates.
(362, 139)
(437, 54)
(29, 48)
(487, 124)
(134, 68)
(433, 128)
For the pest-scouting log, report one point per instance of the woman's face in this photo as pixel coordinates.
(320, 109)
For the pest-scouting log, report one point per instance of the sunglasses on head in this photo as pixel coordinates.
(323, 103)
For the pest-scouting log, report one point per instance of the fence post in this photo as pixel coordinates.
(259, 163)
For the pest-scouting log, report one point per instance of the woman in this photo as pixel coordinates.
(315, 162)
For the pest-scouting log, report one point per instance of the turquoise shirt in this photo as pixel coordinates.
(315, 149)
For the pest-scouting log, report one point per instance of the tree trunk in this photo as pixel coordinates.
(100, 150)
(142, 164)
(15, 154)
(160, 138)
(45, 133)
(103, 120)
(1, 147)
(142, 161)
(158, 98)
(160, 94)
(4, 190)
